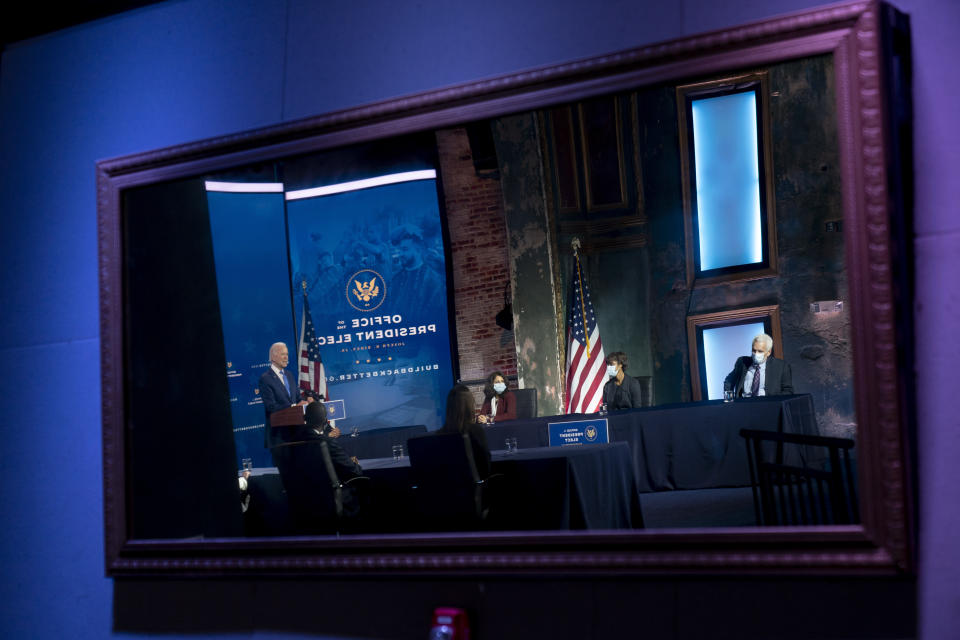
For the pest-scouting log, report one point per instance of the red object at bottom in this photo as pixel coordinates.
(450, 623)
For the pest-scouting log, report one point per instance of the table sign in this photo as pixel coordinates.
(562, 434)
(335, 410)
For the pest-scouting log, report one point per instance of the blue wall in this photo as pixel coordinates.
(190, 69)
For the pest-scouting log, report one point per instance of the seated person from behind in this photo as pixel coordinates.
(318, 428)
(760, 374)
(621, 391)
(460, 418)
(312, 396)
(499, 403)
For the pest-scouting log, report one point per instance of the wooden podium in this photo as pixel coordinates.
(289, 417)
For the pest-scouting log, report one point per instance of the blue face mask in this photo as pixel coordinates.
(611, 370)
(499, 387)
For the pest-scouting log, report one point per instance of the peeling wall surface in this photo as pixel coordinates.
(641, 296)
(806, 182)
(480, 263)
(535, 307)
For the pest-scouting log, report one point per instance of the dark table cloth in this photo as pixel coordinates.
(577, 487)
(683, 446)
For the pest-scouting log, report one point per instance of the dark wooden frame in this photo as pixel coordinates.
(724, 275)
(585, 158)
(722, 318)
(853, 33)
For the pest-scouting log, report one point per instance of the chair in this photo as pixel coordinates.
(646, 390)
(449, 493)
(526, 403)
(319, 502)
(805, 494)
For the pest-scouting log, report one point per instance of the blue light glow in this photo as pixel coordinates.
(727, 180)
(721, 348)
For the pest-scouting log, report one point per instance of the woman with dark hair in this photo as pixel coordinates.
(499, 404)
(621, 391)
(461, 418)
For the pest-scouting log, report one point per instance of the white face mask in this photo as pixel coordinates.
(499, 387)
(759, 357)
(611, 370)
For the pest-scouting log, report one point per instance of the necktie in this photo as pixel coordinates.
(286, 383)
(755, 386)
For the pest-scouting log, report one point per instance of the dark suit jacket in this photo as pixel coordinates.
(777, 380)
(307, 484)
(275, 397)
(346, 468)
(506, 407)
(627, 395)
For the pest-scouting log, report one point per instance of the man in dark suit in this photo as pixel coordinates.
(759, 374)
(278, 390)
(305, 478)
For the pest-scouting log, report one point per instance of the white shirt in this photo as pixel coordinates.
(748, 379)
(493, 406)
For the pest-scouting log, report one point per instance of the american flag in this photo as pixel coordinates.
(312, 376)
(586, 366)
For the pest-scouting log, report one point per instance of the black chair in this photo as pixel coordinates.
(646, 390)
(819, 490)
(449, 493)
(526, 403)
(319, 502)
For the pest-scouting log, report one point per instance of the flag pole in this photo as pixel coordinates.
(575, 243)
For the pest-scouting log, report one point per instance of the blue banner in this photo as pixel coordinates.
(250, 254)
(372, 264)
(562, 434)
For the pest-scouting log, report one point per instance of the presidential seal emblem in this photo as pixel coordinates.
(590, 433)
(366, 290)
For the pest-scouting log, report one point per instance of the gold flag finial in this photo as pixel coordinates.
(303, 283)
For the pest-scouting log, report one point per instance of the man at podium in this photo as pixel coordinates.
(278, 390)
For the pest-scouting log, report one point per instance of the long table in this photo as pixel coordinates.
(583, 487)
(545, 488)
(693, 445)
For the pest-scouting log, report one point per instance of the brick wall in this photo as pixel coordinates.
(481, 264)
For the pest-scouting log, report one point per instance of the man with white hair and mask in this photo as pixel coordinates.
(759, 374)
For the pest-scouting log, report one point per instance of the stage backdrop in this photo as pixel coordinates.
(368, 257)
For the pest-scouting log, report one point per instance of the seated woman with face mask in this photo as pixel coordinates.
(621, 391)
(499, 403)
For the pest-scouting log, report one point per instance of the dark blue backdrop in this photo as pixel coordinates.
(250, 252)
(387, 355)
(372, 263)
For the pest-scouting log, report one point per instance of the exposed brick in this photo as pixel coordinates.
(478, 239)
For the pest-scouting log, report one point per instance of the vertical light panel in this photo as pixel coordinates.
(721, 348)
(727, 180)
